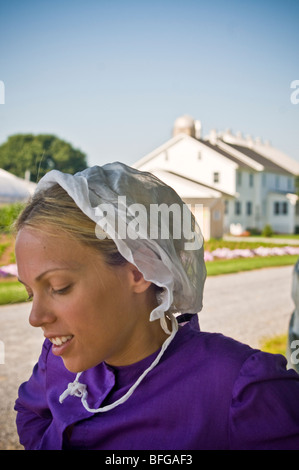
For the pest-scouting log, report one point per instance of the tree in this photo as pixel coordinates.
(38, 154)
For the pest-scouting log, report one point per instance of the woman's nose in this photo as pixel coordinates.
(40, 314)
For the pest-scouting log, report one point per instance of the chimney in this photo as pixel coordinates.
(197, 126)
(213, 136)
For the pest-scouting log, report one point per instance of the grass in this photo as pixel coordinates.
(214, 243)
(228, 266)
(12, 292)
(275, 345)
(289, 236)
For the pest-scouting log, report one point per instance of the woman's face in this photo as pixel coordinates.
(90, 311)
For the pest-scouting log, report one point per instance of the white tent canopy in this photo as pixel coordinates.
(13, 188)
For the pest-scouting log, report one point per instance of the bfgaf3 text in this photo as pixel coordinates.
(142, 459)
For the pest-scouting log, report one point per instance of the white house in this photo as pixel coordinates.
(240, 183)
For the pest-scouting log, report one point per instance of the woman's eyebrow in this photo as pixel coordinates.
(40, 276)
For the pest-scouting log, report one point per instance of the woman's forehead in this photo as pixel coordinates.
(34, 248)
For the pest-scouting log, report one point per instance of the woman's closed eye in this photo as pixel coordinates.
(62, 291)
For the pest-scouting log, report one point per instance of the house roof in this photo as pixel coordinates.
(226, 154)
(268, 164)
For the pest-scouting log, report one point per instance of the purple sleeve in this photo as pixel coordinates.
(264, 412)
(33, 414)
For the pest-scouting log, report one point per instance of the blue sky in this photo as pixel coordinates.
(112, 76)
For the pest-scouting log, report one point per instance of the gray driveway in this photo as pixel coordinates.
(247, 306)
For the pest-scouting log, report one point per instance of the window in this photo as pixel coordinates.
(250, 180)
(239, 178)
(249, 208)
(237, 208)
(199, 155)
(280, 208)
(216, 177)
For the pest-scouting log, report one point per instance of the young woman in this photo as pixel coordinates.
(113, 262)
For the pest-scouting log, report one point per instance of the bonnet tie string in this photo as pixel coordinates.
(80, 390)
(75, 388)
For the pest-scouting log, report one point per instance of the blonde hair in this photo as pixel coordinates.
(54, 209)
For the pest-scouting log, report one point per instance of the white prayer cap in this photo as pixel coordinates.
(150, 224)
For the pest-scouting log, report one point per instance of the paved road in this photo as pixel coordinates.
(247, 306)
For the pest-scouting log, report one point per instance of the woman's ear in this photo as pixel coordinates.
(139, 284)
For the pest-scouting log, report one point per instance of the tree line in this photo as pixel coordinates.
(34, 155)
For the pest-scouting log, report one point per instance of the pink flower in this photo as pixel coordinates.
(10, 270)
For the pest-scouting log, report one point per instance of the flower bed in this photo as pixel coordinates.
(10, 270)
(227, 253)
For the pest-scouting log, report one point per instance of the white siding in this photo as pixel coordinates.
(196, 161)
(254, 190)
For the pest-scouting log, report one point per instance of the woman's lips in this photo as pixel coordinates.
(60, 344)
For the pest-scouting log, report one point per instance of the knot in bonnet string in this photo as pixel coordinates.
(153, 229)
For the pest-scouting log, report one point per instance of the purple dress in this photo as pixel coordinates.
(207, 392)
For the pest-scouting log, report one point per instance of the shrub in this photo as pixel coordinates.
(8, 215)
(253, 230)
(267, 231)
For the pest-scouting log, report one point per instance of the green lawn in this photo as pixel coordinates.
(227, 266)
(275, 345)
(12, 292)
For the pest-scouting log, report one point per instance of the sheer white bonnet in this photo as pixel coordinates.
(150, 224)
